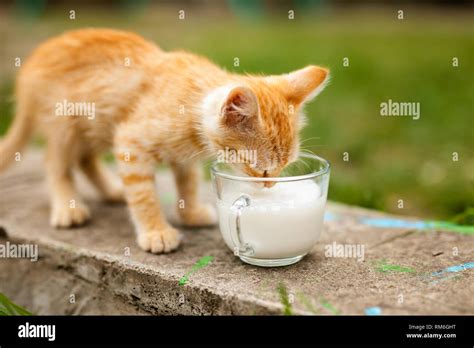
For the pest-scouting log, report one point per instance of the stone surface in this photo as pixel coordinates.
(89, 264)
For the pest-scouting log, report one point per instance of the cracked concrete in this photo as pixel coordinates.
(88, 270)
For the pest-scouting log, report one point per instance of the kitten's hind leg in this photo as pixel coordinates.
(192, 211)
(102, 178)
(67, 208)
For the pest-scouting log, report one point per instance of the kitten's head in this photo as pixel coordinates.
(253, 123)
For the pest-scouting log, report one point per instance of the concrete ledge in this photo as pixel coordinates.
(91, 263)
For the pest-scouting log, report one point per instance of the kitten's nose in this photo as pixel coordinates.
(268, 184)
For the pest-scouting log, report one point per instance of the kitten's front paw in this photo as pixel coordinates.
(62, 215)
(202, 215)
(160, 241)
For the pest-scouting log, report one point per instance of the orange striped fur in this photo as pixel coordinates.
(150, 106)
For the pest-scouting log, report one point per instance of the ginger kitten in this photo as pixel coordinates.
(149, 106)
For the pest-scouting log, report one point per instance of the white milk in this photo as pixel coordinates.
(280, 222)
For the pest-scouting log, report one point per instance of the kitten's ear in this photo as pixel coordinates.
(305, 84)
(240, 108)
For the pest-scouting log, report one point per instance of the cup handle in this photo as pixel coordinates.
(240, 248)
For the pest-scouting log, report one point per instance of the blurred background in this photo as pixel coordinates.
(375, 52)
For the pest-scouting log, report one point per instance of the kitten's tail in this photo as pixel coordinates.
(16, 138)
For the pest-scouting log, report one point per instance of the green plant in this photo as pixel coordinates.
(465, 218)
(7, 307)
(284, 299)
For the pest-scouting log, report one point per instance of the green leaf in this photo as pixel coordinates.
(11, 308)
(20, 310)
(284, 299)
(465, 218)
(7, 305)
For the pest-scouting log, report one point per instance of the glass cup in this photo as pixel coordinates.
(274, 226)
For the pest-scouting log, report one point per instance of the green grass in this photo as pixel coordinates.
(284, 299)
(7, 307)
(325, 304)
(384, 267)
(410, 61)
(465, 218)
